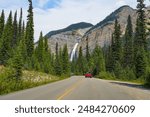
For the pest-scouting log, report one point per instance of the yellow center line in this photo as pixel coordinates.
(69, 90)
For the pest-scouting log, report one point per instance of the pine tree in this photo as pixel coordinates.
(117, 43)
(140, 42)
(5, 45)
(15, 31)
(65, 61)
(2, 23)
(99, 62)
(20, 27)
(87, 50)
(109, 59)
(140, 63)
(140, 35)
(80, 62)
(115, 50)
(128, 46)
(46, 48)
(30, 31)
(40, 48)
(58, 69)
(47, 57)
(17, 64)
(111, 56)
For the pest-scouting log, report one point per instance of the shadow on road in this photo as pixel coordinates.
(130, 85)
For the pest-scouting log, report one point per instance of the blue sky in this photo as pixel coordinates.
(55, 14)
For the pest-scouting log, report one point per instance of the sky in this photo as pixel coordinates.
(57, 14)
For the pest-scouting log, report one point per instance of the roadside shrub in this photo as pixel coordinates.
(119, 71)
(106, 75)
(6, 78)
(129, 74)
(147, 77)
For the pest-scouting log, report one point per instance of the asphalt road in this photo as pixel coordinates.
(80, 88)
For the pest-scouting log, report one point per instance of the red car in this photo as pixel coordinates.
(88, 75)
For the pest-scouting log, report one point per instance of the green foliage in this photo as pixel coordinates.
(5, 45)
(15, 32)
(129, 74)
(119, 71)
(29, 79)
(140, 63)
(17, 65)
(40, 49)
(140, 36)
(147, 77)
(2, 23)
(98, 61)
(80, 62)
(106, 75)
(57, 64)
(94, 64)
(128, 46)
(117, 43)
(65, 61)
(20, 27)
(87, 50)
(30, 31)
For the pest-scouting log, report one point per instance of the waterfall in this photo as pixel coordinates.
(73, 51)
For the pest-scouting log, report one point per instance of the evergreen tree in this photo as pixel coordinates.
(15, 31)
(2, 23)
(20, 27)
(140, 63)
(87, 50)
(40, 48)
(30, 31)
(23, 52)
(58, 69)
(99, 62)
(80, 62)
(140, 42)
(128, 46)
(117, 49)
(140, 35)
(46, 44)
(17, 64)
(109, 59)
(5, 45)
(111, 56)
(47, 57)
(65, 61)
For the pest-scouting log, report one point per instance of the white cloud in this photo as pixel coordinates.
(71, 11)
(120, 3)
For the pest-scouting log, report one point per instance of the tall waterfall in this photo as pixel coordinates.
(74, 51)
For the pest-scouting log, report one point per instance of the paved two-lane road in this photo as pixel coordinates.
(80, 88)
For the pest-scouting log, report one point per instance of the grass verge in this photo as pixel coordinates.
(28, 80)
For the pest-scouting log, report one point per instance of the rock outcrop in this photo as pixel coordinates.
(101, 33)
(70, 36)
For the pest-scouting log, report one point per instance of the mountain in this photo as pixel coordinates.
(72, 27)
(69, 36)
(101, 33)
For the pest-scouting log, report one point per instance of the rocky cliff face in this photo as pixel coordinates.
(70, 36)
(101, 33)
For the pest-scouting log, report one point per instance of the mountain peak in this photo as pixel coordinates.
(113, 16)
(76, 26)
